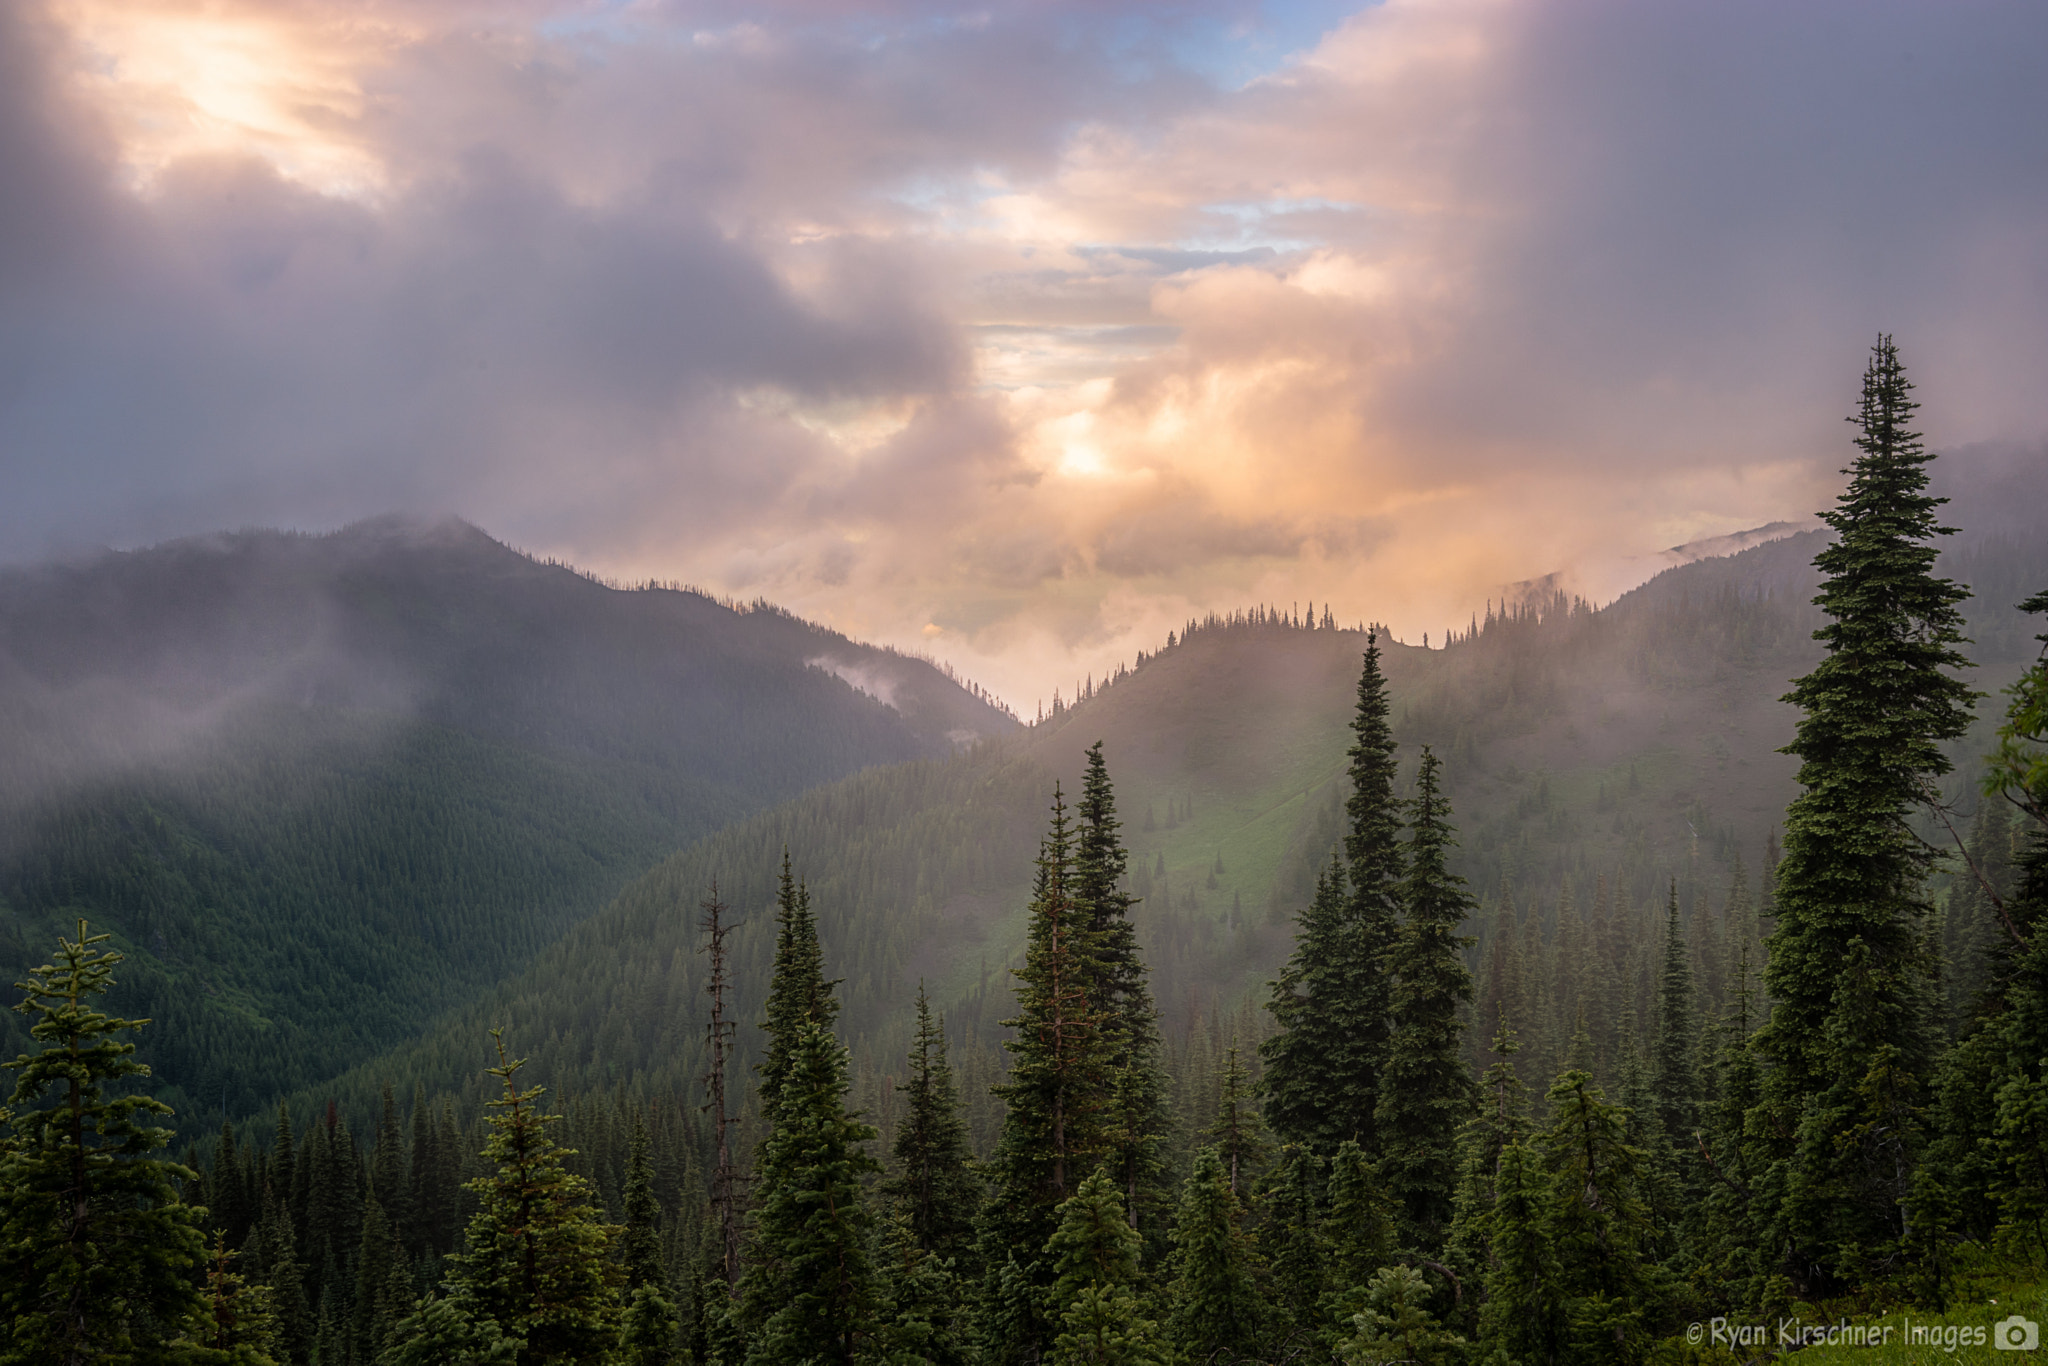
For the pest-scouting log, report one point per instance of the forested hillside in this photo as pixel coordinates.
(319, 787)
(1591, 758)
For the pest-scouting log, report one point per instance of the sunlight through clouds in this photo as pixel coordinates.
(1017, 333)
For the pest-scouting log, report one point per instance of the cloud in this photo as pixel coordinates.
(1018, 333)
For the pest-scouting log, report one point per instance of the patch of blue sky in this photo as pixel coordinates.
(1272, 225)
(1241, 43)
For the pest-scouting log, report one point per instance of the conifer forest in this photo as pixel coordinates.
(1592, 986)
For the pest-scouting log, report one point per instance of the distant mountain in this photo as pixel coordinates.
(318, 785)
(1634, 744)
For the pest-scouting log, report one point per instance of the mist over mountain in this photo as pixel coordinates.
(1588, 752)
(319, 786)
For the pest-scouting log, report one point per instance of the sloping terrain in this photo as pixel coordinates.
(322, 786)
(1635, 743)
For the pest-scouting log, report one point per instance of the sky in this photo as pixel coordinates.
(1014, 334)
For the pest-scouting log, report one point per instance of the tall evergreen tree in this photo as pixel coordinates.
(1299, 1053)
(1425, 1090)
(1238, 1133)
(536, 1261)
(933, 1183)
(1523, 1318)
(1093, 1253)
(640, 1238)
(1331, 1002)
(1358, 1236)
(810, 1272)
(1120, 990)
(1292, 1239)
(1608, 1292)
(1848, 1037)
(1059, 1093)
(798, 994)
(1217, 1311)
(1677, 1082)
(99, 1255)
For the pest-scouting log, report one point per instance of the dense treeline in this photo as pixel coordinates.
(311, 781)
(1820, 1096)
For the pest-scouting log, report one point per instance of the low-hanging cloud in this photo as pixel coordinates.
(1015, 334)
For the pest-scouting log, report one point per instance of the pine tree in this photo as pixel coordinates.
(921, 1320)
(1119, 989)
(234, 1325)
(1848, 1036)
(1500, 1123)
(536, 1256)
(1331, 1002)
(99, 1256)
(810, 1273)
(1238, 1133)
(1059, 1093)
(640, 1238)
(1217, 1311)
(2019, 1033)
(798, 994)
(1093, 1254)
(1677, 1081)
(1425, 1091)
(1597, 1223)
(933, 1183)
(388, 1184)
(1523, 1318)
(1395, 1328)
(284, 1275)
(1372, 848)
(1293, 1240)
(1358, 1236)
(1300, 1053)
(376, 1260)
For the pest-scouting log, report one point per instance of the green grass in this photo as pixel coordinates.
(1985, 1294)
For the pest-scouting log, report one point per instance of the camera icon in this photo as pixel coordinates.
(2016, 1334)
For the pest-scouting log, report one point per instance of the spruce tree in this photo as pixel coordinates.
(810, 1283)
(1292, 1238)
(1376, 867)
(933, 1183)
(1121, 992)
(1058, 1098)
(1217, 1311)
(1358, 1236)
(1523, 1318)
(1848, 1036)
(536, 1262)
(1500, 1122)
(1425, 1089)
(640, 1238)
(1677, 1087)
(1608, 1292)
(922, 1320)
(1299, 1055)
(234, 1325)
(376, 1260)
(1331, 1003)
(1396, 1328)
(798, 994)
(1238, 1133)
(2019, 1032)
(285, 1277)
(99, 1255)
(1093, 1255)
